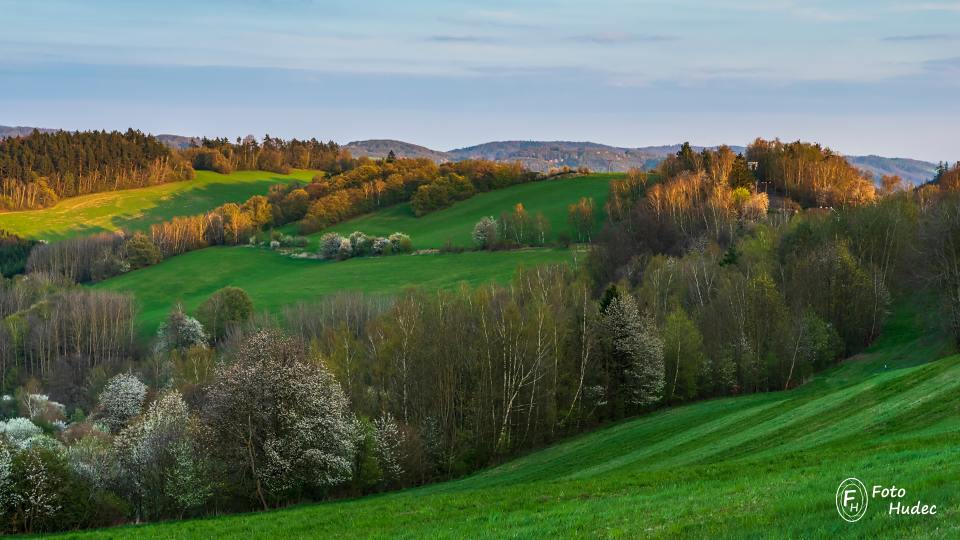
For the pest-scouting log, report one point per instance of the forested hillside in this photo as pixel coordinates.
(38, 170)
(726, 468)
(706, 279)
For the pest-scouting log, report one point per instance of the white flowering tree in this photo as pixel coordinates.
(400, 242)
(121, 400)
(36, 494)
(92, 459)
(282, 422)
(187, 483)
(360, 243)
(180, 331)
(637, 351)
(145, 451)
(346, 249)
(381, 246)
(485, 232)
(330, 245)
(19, 431)
(389, 447)
(7, 496)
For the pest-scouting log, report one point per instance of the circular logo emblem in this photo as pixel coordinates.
(852, 499)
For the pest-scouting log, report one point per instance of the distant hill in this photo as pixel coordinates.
(545, 155)
(178, 141)
(379, 148)
(542, 156)
(911, 170)
(20, 131)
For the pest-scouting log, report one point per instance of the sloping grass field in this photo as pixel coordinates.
(137, 209)
(757, 466)
(273, 281)
(455, 223)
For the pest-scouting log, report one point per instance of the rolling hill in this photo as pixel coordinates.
(912, 170)
(758, 466)
(274, 281)
(20, 131)
(455, 224)
(380, 148)
(137, 209)
(545, 155)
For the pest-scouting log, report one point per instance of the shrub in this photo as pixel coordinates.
(330, 245)
(141, 251)
(208, 159)
(381, 246)
(121, 400)
(19, 430)
(108, 266)
(180, 331)
(401, 243)
(224, 308)
(361, 244)
(346, 249)
(485, 232)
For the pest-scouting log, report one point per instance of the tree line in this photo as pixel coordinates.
(271, 154)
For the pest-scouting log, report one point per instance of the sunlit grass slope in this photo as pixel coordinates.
(757, 466)
(137, 209)
(455, 224)
(273, 280)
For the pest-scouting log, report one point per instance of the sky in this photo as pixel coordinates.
(863, 77)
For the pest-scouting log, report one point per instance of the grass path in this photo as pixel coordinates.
(137, 209)
(757, 466)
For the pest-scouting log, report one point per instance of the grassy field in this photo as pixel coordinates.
(273, 281)
(137, 209)
(758, 466)
(455, 224)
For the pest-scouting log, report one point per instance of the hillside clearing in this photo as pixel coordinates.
(273, 280)
(137, 209)
(455, 224)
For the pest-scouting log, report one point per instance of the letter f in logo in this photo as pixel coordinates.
(848, 495)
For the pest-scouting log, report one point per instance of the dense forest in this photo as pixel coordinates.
(38, 170)
(717, 274)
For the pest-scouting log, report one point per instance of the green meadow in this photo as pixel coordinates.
(274, 281)
(758, 466)
(455, 223)
(137, 209)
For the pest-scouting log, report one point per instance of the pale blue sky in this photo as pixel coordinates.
(862, 77)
